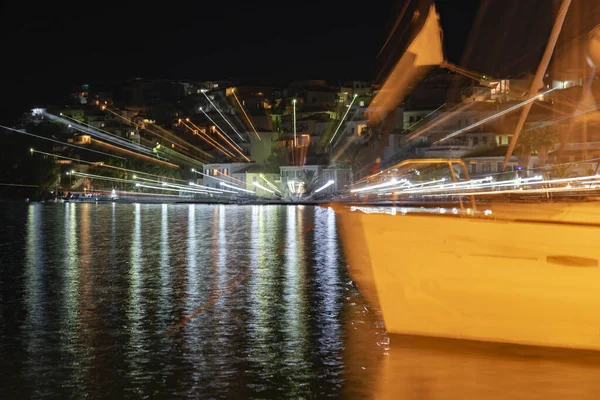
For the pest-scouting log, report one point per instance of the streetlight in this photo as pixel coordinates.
(294, 104)
(294, 145)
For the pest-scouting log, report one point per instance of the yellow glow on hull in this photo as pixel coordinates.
(502, 280)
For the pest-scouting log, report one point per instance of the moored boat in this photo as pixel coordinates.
(525, 274)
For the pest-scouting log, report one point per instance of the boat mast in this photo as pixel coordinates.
(537, 82)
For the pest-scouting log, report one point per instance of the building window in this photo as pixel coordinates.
(475, 141)
(225, 171)
(473, 169)
(253, 179)
(215, 172)
(499, 167)
(361, 103)
(484, 140)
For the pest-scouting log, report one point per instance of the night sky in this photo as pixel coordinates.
(50, 46)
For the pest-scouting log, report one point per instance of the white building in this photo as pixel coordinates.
(294, 180)
(489, 162)
(215, 175)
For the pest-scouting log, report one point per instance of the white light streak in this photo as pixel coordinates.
(221, 114)
(343, 118)
(492, 117)
(270, 184)
(331, 182)
(258, 185)
(236, 188)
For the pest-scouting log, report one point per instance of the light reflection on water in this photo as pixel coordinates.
(115, 300)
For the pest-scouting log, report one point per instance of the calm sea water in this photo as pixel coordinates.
(201, 301)
(179, 300)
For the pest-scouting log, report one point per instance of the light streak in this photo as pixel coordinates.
(492, 117)
(163, 183)
(231, 141)
(236, 188)
(212, 177)
(102, 177)
(270, 184)
(223, 116)
(556, 121)
(153, 159)
(92, 127)
(173, 154)
(294, 110)
(523, 191)
(98, 134)
(440, 120)
(197, 131)
(533, 181)
(246, 115)
(209, 188)
(171, 137)
(343, 118)
(102, 164)
(469, 185)
(423, 119)
(377, 186)
(171, 190)
(59, 142)
(329, 183)
(17, 184)
(236, 146)
(120, 192)
(232, 179)
(258, 185)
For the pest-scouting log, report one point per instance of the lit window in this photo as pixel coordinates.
(225, 171)
(215, 172)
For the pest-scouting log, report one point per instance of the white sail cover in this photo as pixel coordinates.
(425, 50)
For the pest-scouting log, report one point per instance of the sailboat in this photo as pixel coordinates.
(523, 273)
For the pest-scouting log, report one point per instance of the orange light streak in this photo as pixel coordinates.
(152, 159)
(171, 137)
(197, 131)
(246, 115)
(231, 144)
(101, 164)
(232, 179)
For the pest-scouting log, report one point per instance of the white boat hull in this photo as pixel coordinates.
(502, 280)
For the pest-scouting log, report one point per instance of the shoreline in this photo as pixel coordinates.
(163, 201)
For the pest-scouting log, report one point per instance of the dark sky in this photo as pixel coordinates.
(48, 46)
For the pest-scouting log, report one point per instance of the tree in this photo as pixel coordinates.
(538, 141)
(19, 165)
(309, 180)
(563, 171)
(353, 158)
(278, 157)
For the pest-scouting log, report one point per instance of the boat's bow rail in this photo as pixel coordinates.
(441, 211)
